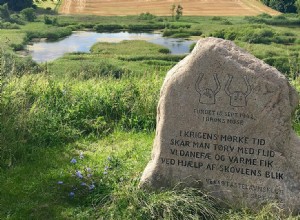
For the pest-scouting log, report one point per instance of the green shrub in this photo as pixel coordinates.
(279, 62)
(8, 25)
(164, 50)
(108, 27)
(180, 33)
(51, 34)
(101, 69)
(216, 18)
(29, 14)
(145, 27)
(226, 22)
(17, 47)
(192, 46)
(146, 16)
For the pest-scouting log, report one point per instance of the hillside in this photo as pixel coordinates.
(162, 7)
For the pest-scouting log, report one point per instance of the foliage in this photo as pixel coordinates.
(108, 27)
(19, 5)
(8, 25)
(176, 11)
(48, 20)
(29, 14)
(181, 32)
(146, 16)
(280, 20)
(297, 4)
(4, 12)
(285, 6)
(254, 34)
(50, 34)
(179, 12)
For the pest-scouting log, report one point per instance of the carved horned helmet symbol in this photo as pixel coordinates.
(238, 98)
(207, 95)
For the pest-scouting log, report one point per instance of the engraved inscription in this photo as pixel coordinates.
(226, 154)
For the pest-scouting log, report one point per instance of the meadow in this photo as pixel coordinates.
(76, 133)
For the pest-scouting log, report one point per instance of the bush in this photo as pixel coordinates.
(192, 46)
(164, 50)
(16, 18)
(145, 27)
(146, 16)
(48, 20)
(226, 22)
(102, 69)
(180, 33)
(8, 25)
(257, 34)
(216, 18)
(50, 34)
(280, 63)
(108, 27)
(17, 47)
(29, 14)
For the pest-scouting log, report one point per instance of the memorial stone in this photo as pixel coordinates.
(224, 125)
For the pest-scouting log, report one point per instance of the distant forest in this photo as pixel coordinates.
(284, 6)
(17, 5)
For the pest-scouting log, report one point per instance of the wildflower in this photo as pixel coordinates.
(88, 169)
(89, 175)
(81, 155)
(83, 184)
(109, 158)
(105, 168)
(71, 194)
(73, 160)
(91, 187)
(79, 174)
(105, 172)
(60, 182)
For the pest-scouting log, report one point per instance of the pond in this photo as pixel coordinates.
(82, 41)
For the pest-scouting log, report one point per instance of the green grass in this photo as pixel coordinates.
(103, 104)
(114, 59)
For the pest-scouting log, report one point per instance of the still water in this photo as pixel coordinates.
(82, 41)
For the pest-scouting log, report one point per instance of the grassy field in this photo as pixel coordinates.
(76, 133)
(160, 7)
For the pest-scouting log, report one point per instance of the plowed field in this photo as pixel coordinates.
(162, 7)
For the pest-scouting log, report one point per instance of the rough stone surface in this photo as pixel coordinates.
(224, 124)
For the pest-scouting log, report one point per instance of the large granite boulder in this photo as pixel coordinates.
(224, 125)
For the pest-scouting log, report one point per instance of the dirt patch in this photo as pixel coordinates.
(162, 7)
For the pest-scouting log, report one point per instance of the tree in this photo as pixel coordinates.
(297, 4)
(4, 12)
(19, 5)
(285, 6)
(173, 7)
(29, 14)
(179, 11)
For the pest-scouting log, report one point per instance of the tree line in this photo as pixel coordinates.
(17, 5)
(284, 6)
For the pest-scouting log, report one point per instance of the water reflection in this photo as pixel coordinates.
(82, 41)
